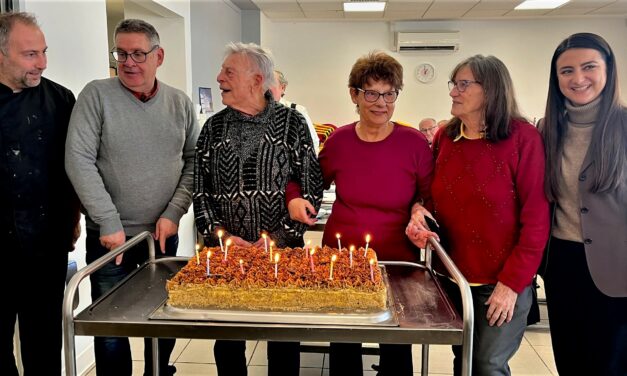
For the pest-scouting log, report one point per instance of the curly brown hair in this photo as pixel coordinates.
(376, 66)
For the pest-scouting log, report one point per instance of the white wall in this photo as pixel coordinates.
(317, 58)
(214, 24)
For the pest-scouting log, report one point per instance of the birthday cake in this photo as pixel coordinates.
(294, 281)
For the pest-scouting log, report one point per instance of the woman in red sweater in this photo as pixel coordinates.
(488, 197)
(380, 170)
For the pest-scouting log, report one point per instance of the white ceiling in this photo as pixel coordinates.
(406, 10)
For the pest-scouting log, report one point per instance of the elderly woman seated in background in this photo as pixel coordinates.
(380, 170)
(489, 199)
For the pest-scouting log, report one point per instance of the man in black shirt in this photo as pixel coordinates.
(38, 207)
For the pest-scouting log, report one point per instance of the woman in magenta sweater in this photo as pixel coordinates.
(380, 170)
(489, 200)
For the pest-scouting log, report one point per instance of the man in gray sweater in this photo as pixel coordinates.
(130, 155)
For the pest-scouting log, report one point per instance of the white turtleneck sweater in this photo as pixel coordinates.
(581, 120)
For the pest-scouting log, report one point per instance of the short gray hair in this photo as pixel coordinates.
(137, 26)
(8, 20)
(281, 76)
(257, 55)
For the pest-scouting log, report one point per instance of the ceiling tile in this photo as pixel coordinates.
(321, 6)
(324, 15)
(280, 15)
(485, 13)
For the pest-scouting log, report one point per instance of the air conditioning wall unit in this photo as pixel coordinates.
(426, 41)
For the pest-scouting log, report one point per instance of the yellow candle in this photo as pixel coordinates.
(351, 250)
(367, 241)
(226, 249)
(339, 243)
(271, 245)
(197, 255)
(276, 264)
(333, 258)
(265, 241)
(220, 234)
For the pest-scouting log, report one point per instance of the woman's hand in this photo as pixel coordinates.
(301, 210)
(239, 241)
(417, 229)
(502, 303)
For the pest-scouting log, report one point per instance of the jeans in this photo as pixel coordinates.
(113, 354)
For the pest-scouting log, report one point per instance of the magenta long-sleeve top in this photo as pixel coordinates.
(376, 185)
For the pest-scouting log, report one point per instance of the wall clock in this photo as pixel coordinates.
(425, 72)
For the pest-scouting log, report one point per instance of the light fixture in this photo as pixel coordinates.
(540, 4)
(364, 6)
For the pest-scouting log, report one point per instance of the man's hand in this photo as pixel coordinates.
(113, 241)
(502, 303)
(164, 229)
(301, 210)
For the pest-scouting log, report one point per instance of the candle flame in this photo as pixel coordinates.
(309, 242)
(312, 252)
(352, 248)
(229, 242)
(197, 247)
(241, 261)
(208, 254)
(263, 235)
(338, 235)
(371, 261)
(276, 257)
(220, 233)
(272, 244)
(333, 258)
(367, 238)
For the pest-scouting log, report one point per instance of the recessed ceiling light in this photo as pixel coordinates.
(540, 4)
(364, 6)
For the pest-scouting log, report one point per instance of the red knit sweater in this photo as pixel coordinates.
(489, 199)
(376, 185)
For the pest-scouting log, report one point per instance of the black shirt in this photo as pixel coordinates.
(37, 203)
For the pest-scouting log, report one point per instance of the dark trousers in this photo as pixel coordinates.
(38, 309)
(283, 358)
(345, 360)
(588, 328)
(493, 346)
(113, 354)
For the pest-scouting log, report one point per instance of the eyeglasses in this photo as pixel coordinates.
(461, 85)
(373, 96)
(138, 56)
(426, 130)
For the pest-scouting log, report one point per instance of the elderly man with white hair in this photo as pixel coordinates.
(245, 156)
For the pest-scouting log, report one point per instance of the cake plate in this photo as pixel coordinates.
(424, 313)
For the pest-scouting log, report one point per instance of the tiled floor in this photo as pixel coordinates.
(195, 357)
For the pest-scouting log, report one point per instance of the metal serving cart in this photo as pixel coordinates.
(422, 312)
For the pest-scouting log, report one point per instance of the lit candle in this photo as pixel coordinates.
(265, 241)
(333, 258)
(307, 246)
(276, 264)
(367, 241)
(351, 250)
(339, 243)
(371, 270)
(208, 265)
(241, 265)
(197, 255)
(220, 233)
(311, 253)
(226, 249)
(271, 245)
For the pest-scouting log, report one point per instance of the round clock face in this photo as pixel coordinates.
(425, 72)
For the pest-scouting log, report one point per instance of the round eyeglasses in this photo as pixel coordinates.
(461, 85)
(373, 96)
(138, 56)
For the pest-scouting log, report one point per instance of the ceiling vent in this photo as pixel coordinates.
(426, 41)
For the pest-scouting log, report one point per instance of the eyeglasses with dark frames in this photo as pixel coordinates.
(138, 56)
(461, 85)
(373, 96)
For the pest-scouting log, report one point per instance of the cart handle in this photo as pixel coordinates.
(467, 304)
(72, 288)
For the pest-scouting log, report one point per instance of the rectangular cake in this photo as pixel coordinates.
(252, 279)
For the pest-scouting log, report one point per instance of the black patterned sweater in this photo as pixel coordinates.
(241, 170)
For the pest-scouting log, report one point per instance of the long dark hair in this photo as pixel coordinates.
(607, 146)
(500, 102)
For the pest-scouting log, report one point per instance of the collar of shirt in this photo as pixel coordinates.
(463, 135)
(146, 97)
